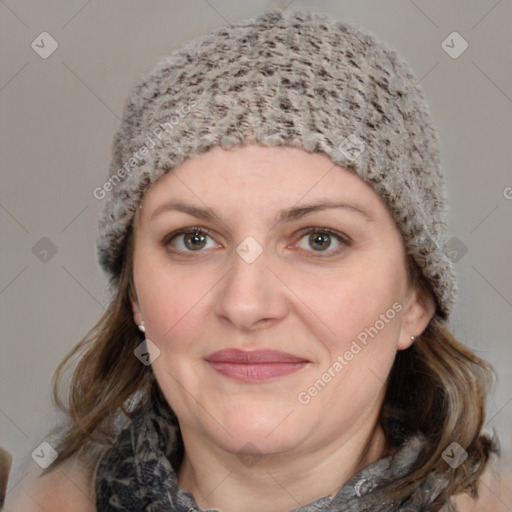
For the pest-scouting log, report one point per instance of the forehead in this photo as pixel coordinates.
(259, 175)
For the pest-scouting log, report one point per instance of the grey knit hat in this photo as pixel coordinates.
(297, 78)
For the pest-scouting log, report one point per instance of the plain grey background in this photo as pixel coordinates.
(59, 115)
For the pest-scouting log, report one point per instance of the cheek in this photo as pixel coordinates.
(353, 306)
(173, 303)
(364, 311)
(366, 322)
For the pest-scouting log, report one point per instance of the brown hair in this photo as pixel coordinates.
(437, 387)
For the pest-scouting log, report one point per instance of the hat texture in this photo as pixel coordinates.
(293, 78)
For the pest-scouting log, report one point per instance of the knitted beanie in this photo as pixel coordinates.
(300, 79)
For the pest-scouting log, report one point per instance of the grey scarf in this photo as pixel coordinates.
(138, 474)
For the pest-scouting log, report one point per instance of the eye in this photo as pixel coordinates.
(321, 239)
(194, 239)
(191, 239)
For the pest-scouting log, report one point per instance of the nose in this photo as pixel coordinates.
(252, 296)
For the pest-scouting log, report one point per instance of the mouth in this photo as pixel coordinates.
(255, 365)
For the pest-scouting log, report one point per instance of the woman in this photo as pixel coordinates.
(274, 230)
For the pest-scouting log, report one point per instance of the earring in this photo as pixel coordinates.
(141, 327)
(413, 338)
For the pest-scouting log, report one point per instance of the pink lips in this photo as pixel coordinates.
(255, 365)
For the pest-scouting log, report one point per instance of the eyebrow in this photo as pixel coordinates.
(285, 215)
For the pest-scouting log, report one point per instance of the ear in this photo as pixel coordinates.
(418, 313)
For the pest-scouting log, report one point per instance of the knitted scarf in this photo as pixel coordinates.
(138, 474)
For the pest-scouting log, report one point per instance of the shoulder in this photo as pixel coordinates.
(69, 486)
(494, 491)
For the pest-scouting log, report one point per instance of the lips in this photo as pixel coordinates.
(255, 365)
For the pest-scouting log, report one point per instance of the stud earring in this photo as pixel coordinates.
(141, 327)
(413, 338)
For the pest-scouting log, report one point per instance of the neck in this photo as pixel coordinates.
(278, 482)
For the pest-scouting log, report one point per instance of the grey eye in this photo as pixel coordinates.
(189, 240)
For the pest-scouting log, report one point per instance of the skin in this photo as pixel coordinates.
(294, 298)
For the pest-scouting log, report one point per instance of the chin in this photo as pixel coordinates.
(267, 432)
(249, 442)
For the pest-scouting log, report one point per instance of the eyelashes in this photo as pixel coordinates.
(198, 235)
(316, 234)
(321, 237)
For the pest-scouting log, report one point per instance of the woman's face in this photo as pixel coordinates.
(272, 337)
